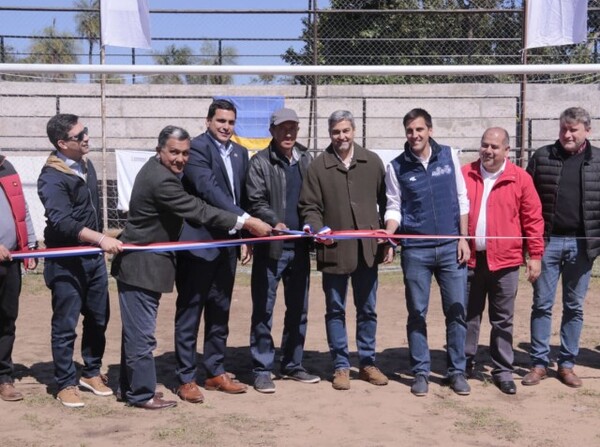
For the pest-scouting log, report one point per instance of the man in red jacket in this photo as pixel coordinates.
(16, 233)
(505, 212)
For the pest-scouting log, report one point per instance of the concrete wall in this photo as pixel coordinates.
(136, 113)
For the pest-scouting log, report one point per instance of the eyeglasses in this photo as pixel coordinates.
(80, 136)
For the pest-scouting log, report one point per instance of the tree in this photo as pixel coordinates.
(88, 24)
(53, 47)
(414, 32)
(209, 55)
(216, 54)
(173, 55)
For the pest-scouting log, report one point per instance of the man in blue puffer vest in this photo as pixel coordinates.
(426, 195)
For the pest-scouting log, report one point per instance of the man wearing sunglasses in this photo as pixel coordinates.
(68, 189)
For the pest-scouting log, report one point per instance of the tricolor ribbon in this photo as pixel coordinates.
(278, 235)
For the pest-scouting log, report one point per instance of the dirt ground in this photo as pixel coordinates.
(549, 414)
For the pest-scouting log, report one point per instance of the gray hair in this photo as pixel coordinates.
(179, 133)
(577, 115)
(340, 115)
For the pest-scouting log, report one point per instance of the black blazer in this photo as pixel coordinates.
(205, 176)
(156, 211)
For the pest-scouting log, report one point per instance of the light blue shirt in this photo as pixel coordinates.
(78, 167)
(225, 153)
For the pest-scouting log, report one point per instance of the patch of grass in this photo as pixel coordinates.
(38, 423)
(489, 421)
(95, 410)
(588, 393)
(186, 434)
(39, 400)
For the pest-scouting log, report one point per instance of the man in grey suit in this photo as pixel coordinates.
(157, 208)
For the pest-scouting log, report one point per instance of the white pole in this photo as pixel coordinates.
(307, 70)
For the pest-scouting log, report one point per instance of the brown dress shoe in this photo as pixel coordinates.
(190, 392)
(534, 376)
(9, 393)
(156, 403)
(226, 384)
(569, 378)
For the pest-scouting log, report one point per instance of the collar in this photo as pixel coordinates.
(78, 166)
(351, 156)
(223, 148)
(492, 175)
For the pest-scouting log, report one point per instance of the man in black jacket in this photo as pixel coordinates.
(273, 187)
(566, 175)
(68, 189)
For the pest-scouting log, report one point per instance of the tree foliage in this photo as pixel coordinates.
(53, 47)
(415, 32)
(88, 23)
(209, 55)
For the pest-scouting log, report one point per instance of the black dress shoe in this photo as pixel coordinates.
(507, 386)
(156, 403)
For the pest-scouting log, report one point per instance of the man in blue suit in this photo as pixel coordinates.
(215, 172)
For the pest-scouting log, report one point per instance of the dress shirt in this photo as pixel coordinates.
(225, 153)
(489, 179)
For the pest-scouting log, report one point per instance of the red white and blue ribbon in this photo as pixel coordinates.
(278, 235)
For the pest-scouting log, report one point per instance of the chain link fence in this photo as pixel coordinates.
(317, 32)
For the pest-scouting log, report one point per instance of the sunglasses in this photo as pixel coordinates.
(80, 136)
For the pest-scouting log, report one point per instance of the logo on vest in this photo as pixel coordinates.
(442, 170)
(412, 179)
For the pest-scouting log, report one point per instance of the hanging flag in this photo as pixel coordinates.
(556, 22)
(253, 119)
(125, 23)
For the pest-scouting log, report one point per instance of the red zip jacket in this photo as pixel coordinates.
(10, 182)
(513, 209)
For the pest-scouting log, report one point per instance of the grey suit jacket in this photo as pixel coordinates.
(156, 211)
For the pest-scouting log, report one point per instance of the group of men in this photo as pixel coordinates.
(467, 226)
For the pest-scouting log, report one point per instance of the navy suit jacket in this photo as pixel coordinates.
(205, 176)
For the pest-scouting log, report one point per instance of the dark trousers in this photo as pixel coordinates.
(203, 286)
(293, 268)
(10, 288)
(501, 289)
(79, 285)
(139, 308)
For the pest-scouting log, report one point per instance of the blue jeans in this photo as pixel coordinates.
(418, 266)
(566, 256)
(364, 285)
(293, 268)
(79, 285)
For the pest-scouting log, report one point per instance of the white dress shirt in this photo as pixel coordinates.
(488, 183)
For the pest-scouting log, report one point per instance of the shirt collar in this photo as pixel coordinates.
(349, 158)
(223, 148)
(77, 166)
(492, 175)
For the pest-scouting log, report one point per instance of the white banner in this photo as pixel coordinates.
(125, 23)
(129, 164)
(556, 22)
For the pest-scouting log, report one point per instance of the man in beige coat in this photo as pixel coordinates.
(344, 189)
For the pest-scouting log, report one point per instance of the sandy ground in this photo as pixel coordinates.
(549, 414)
